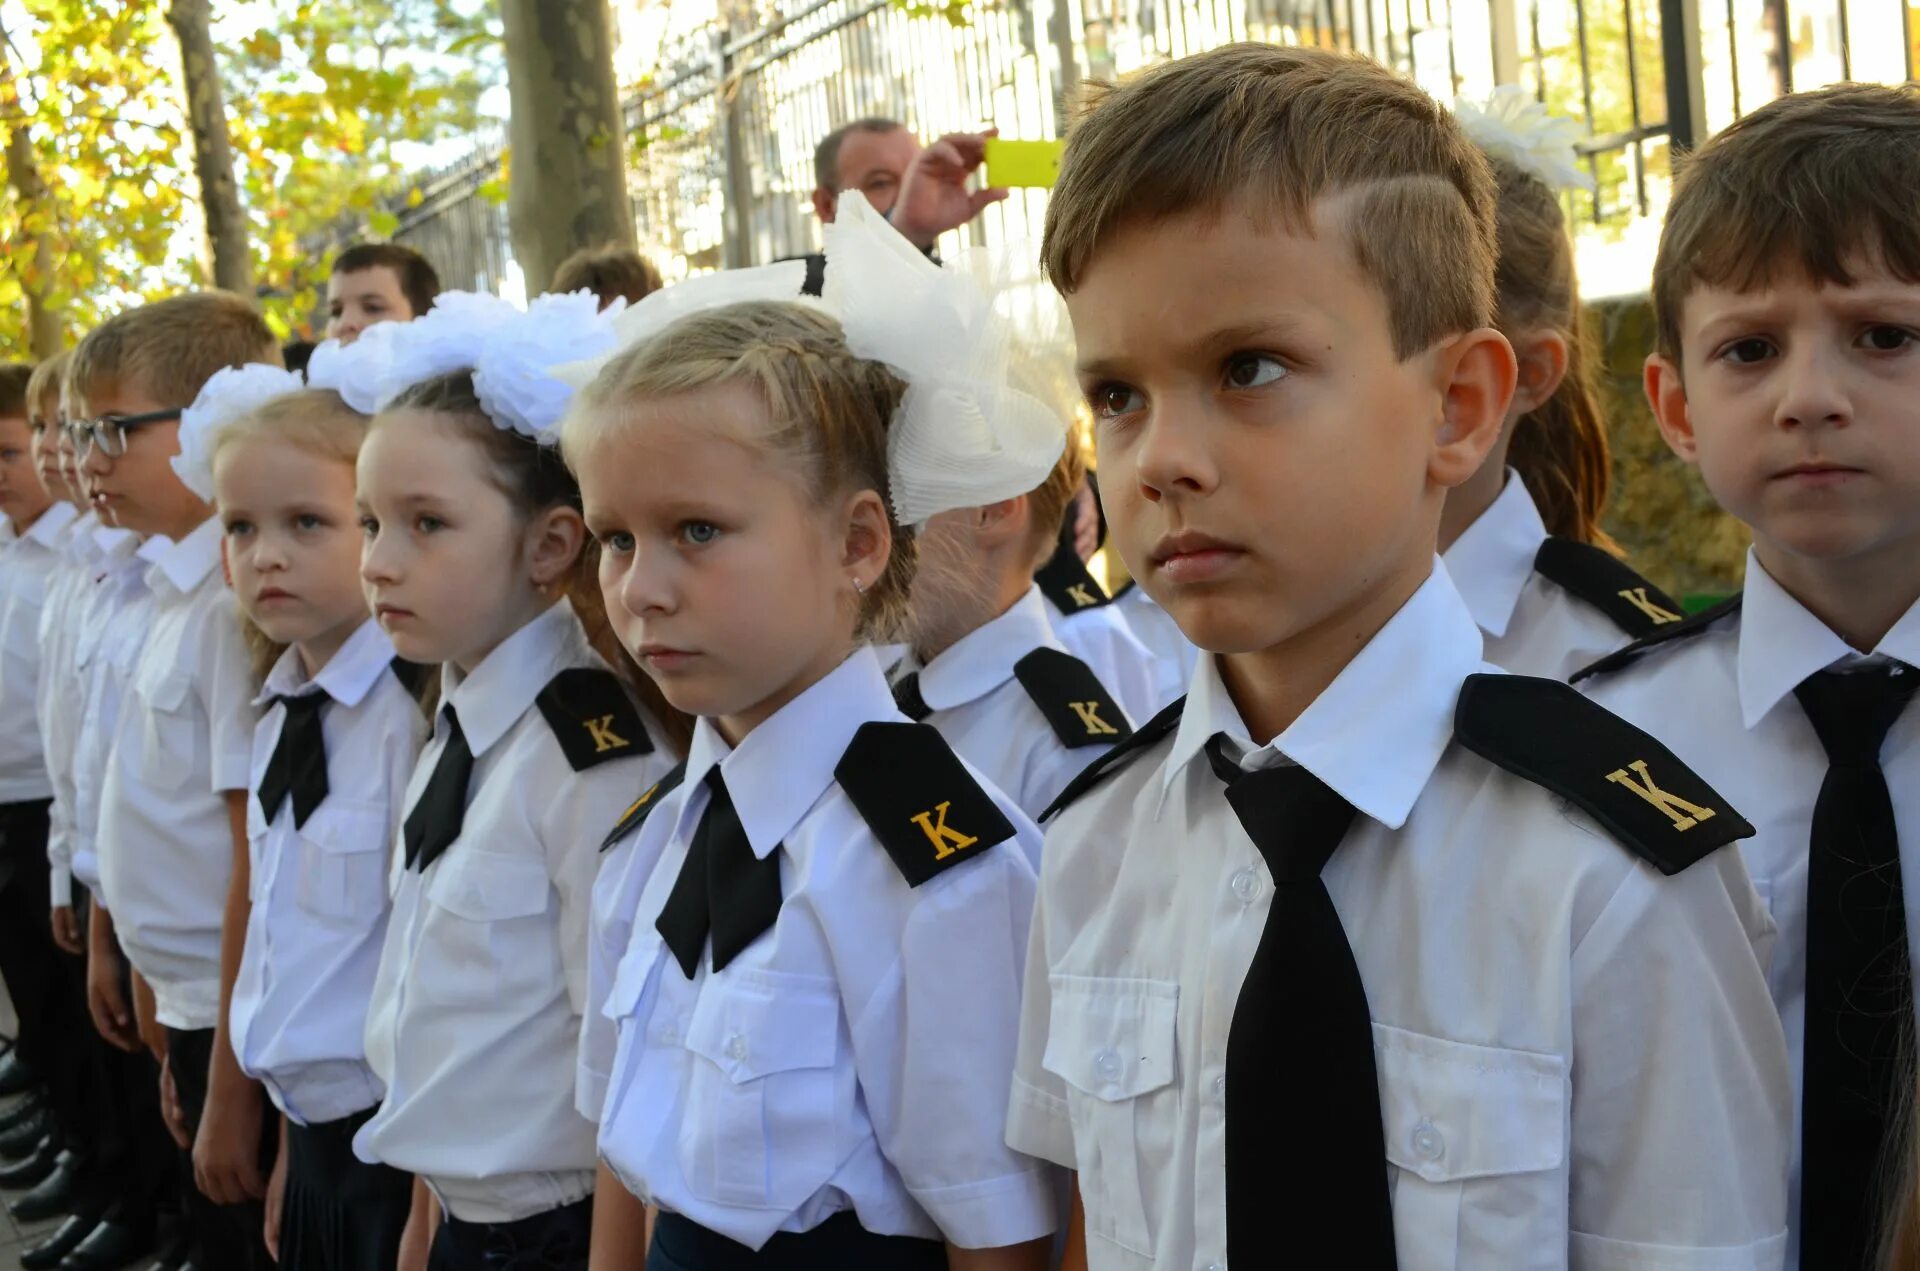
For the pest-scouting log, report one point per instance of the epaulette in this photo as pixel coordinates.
(1547, 733)
(412, 675)
(919, 799)
(592, 717)
(1609, 584)
(644, 805)
(1143, 739)
(1072, 698)
(1685, 629)
(1065, 581)
(1124, 588)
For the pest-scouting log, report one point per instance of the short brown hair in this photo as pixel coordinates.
(418, 281)
(610, 271)
(14, 379)
(47, 385)
(1281, 128)
(826, 155)
(1811, 182)
(171, 348)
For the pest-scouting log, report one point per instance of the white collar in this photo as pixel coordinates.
(49, 531)
(982, 660)
(1492, 562)
(185, 564)
(498, 692)
(1782, 643)
(1378, 731)
(783, 767)
(348, 676)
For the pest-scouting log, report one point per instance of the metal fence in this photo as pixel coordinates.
(721, 138)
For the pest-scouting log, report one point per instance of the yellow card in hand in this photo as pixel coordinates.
(1023, 164)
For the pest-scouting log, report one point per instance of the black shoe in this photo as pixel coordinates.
(49, 1253)
(22, 1139)
(31, 1106)
(15, 1076)
(111, 1246)
(21, 1175)
(56, 1194)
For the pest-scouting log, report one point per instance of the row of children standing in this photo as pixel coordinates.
(557, 779)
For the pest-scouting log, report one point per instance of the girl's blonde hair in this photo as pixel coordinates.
(1560, 447)
(829, 411)
(534, 480)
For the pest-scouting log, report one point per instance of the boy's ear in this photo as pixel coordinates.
(869, 537)
(1667, 395)
(555, 540)
(1476, 373)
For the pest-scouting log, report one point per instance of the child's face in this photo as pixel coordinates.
(293, 543)
(722, 576)
(1268, 464)
(68, 458)
(364, 298)
(139, 489)
(22, 497)
(1801, 406)
(45, 428)
(444, 553)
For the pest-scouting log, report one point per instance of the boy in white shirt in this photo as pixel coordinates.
(173, 809)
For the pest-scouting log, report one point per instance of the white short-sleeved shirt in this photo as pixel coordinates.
(1532, 624)
(475, 1019)
(1155, 628)
(1579, 1064)
(29, 567)
(1724, 697)
(991, 719)
(113, 630)
(856, 1055)
(58, 696)
(319, 891)
(183, 741)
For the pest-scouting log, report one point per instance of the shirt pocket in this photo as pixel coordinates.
(172, 730)
(492, 940)
(763, 1123)
(1113, 1043)
(343, 873)
(1477, 1136)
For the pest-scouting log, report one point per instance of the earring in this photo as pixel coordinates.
(859, 588)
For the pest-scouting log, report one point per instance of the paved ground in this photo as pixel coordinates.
(14, 1237)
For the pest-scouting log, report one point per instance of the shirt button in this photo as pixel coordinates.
(1246, 886)
(1216, 1266)
(1107, 1064)
(1427, 1142)
(1220, 1088)
(736, 1048)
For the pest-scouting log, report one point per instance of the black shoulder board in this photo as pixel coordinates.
(1546, 732)
(1682, 630)
(412, 675)
(1124, 588)
(919, 799)
(644, 805)
(1072, 698)
(1143, 740)
(1065, 581)
(1609, 584)
(594, 719)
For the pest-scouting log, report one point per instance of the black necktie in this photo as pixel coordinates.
(435, 821)
(1859, 994)
(1306, 1155)
(299, 763)
(724, 890)
(906, 695)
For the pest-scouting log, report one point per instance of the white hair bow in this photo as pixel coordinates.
(1511, 125)
(226, 396)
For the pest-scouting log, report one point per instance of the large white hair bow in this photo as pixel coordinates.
(226, 396)
(964, 435)
(1511, 125)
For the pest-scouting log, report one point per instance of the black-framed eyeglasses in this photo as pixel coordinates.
(109, 432)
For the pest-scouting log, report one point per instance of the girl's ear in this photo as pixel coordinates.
(1544, 357)
(554, 540)
(868, 539)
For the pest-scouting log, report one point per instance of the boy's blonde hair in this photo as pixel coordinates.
(169, 349)
(1811, 182)
(46, 388)
(1275, 129)
(830, 410)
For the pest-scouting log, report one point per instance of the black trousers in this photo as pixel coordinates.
(230, 1237)
(553, 1241)
(134, 1168)
(48, 987)
(341, 1214)
(680, 1244)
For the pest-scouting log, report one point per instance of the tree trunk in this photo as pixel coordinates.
(44, 336)
(212, 148)
(569, 176)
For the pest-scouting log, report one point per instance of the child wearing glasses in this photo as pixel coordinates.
(173, 805)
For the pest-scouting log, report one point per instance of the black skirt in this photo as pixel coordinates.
(340, 1213)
